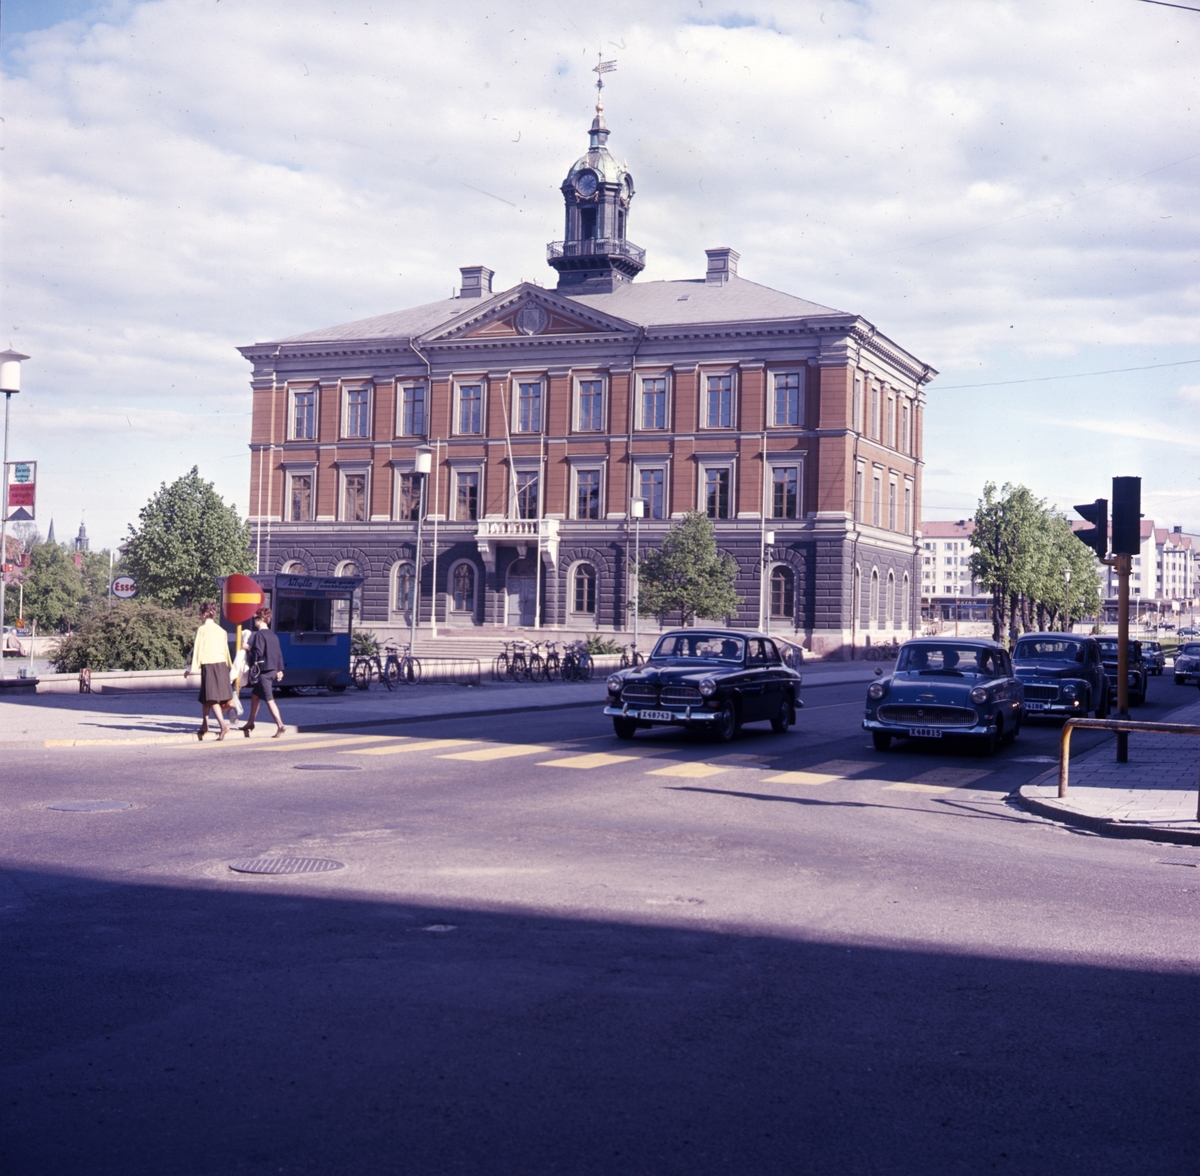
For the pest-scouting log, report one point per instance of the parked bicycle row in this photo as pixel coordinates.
(541, 661)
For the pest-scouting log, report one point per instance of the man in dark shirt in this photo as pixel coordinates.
(265, 659)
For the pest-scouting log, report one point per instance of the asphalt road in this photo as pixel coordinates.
(789, 955)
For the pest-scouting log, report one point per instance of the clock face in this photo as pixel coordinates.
(585, 183)
(628, 184)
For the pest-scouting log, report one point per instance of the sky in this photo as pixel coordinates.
(1006, 189)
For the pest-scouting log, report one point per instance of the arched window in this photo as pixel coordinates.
(886, 604)
(905, 601)
(584, 584)
(402, 591)
(783, 592)
(349, 568)
(873, 608)
(294, 567)
(462, 588)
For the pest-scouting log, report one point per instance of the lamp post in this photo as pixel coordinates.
(422, 464)
(768, 554)
(1067, 582)
(10, 385)
(637, 508)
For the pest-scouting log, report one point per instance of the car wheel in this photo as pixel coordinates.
(1137, 699)
(724, 726)
(1016, 729)
(992, 740)
(624, 728)
(783, 720)
(1178, 680)
(881, 739)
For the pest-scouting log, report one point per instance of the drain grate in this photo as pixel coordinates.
(90, 806)
(1179, 861)
(286, 865)
(327, 767)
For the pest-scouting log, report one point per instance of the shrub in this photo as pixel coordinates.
(363, 644)
(135, 635)
(599, 644)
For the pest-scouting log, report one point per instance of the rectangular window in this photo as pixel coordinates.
(785, 492)
(907, 508)
(906, 428)
(891, 422)
(527, 494)
(300, 507)
(304, 416)
(856, 409)
(408, 497)
(470, 408)
(891, 506)
(358, 406)
(466, 499)
(529, 407)
(719, 410)
(787, 398)
(654, 403)
(716, 493)
(354, 498)
(591, 404)
(858, 494)
(876, 501)
(651, 485)
(587, 494)
(874, 410)
(412, 410)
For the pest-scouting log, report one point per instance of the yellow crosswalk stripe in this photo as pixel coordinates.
(912, 786)
(955, 777)
(412, 745)
(596, 759)
(801, 778)
(290, 743)
(502, 751)
(824, 773)
(689, 771)
(843, 768)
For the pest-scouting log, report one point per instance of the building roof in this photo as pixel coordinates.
(938, 529)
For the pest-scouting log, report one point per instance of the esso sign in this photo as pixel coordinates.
(124, 587)
(241, 598)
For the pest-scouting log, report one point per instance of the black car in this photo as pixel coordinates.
(1063, 675)
(1138, 671)
(710, 679)
(1154, 657)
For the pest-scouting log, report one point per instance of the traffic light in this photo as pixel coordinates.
(1127, 516)
(1096, 537)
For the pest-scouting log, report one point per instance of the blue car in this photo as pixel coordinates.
(947, 688)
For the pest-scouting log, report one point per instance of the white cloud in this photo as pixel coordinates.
(185, 177)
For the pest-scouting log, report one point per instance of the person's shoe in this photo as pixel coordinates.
(202, 732)
(224, 732)
(247, 729)
(279, 732)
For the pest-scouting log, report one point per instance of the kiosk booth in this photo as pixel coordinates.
(313, 617)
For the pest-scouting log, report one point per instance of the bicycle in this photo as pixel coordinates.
(577, 665)
(402, 666)
(368, 669)
(516, 661)
(552, 666)
(631, 657)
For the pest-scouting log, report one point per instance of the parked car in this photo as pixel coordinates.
(956, 687)
(710, 679)
(1154, 657)
(1187, 664)
(1138, 674)
(1187, 631)
(1063, 674)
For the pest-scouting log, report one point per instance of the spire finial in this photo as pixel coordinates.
(600, 69)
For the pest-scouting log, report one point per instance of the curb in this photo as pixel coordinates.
(1103, 825)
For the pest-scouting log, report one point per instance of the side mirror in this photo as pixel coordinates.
(878, 671)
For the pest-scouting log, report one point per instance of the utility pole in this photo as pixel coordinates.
(10, 385)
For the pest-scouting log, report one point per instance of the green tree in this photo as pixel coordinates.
(688, 575)
(186, 538)
(61, 586)
(135, 635)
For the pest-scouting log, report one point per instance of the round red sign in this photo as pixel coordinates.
(241, 598)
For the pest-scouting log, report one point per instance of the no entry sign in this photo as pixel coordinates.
(241, 598)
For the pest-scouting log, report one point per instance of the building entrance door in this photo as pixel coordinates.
(522, 593)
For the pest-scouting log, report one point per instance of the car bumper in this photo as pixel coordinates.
(1058, 708)
(1189, 677)
(685, 717)
(980, 730)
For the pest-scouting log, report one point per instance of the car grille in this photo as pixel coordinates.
(928, 716)
(639, 692)
(681, 694)
(1041, 693)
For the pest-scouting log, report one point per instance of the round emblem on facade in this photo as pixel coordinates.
(531, 320)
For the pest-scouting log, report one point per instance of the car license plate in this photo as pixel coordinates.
(925, 732)
(1032, 706)
(656, 716)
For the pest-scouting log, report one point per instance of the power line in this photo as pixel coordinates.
(1075, 375)
(1164, 4)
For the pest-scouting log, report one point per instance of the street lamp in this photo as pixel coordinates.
(768, 554)
(637, 508)
(1067, 581)
(10, 385)
(422, 464)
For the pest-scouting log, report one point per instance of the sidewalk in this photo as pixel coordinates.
(172, 716)
(1152, 797)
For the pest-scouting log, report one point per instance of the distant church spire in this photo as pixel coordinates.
(50, 533)
(594, 257)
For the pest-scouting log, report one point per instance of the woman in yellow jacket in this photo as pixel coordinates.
(210, 659)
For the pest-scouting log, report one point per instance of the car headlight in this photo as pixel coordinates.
(708, 687)
(614, 684)
(1068, 692)
(876, 690)
(979, 694)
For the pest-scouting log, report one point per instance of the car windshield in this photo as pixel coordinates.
(1191, 650)
(946, 659)
(701, 646)
(1108, 649)
(1048, 649)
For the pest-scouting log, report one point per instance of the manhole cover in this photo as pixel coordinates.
(1180, 861)
(327, 767)
(1035, 759)
(90, 806)
(286, 865)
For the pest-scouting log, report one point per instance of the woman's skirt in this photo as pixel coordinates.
(214, 683)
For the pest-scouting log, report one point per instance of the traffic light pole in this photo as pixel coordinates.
(1123, 563)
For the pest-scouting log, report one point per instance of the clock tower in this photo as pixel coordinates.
(595, 257)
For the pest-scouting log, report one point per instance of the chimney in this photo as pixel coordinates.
(722, 265)
(476, 281)
(1179, 530)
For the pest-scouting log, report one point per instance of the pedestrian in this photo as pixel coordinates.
(265, 659)
(211, 660)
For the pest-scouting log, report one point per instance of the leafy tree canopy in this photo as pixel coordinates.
(136, 635)
(186, 538)
(58, 591)
(688, 575)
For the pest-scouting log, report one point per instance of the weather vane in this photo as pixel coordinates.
(600, 69)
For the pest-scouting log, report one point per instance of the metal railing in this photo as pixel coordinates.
(1118, 725)
(596, 247)
(462, 671)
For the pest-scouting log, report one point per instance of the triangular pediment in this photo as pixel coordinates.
(528, 311)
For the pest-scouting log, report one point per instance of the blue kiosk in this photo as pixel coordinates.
(312, 616)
